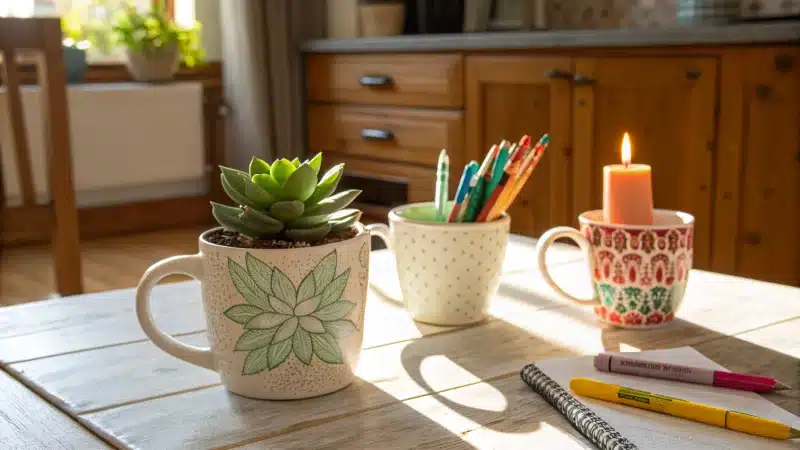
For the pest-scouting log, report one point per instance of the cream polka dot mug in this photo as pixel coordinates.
(448, 272)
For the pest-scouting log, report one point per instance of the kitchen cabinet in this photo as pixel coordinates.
(757, 202)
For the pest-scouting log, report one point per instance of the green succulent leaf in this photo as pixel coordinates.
(281, 170)
(231, 212)
(307, 288)
(264, 224)
(247, 287)
(326, 348)
(232, 223)
(311, 324)
(257, 166)
(316, 163)
(287, 210)
(242, 314)
(267, 320)
(334, 311)
(266, 182)
(334, 291)
(324, 271)
(308, 221)
(300, 185)
(260, 272)
(255, 362)
(327, 185)
(303, 349)
(296, 162)
(309, 234)
(283, 288)
(253, 339)
(345, 223)
(286, 330)
(334, 203)
(234, 177)
(237, 197)
(278, 353)
(256, 195)
(307, 307)
(280, 306)
(340, 329)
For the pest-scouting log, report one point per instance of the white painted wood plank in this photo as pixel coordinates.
(30, 423)
(176, 307)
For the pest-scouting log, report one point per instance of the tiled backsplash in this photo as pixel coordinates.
(571, 14)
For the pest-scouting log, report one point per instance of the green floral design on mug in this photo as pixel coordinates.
(280, 319)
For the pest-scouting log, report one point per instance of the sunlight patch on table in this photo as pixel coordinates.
(547, 436)
(488, 398)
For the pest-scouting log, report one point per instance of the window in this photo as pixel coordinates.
(94, 17)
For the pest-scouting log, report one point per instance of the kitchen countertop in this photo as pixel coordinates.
(743, 33)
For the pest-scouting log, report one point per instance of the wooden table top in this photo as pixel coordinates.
(101, 383)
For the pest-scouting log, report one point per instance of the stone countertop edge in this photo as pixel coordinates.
(745, 33)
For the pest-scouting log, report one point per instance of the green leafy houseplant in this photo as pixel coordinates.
(285, 200)
(152, 31)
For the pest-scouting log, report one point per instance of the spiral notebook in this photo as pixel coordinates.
(618, 427)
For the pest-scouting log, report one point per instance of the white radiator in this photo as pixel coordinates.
(130, 142)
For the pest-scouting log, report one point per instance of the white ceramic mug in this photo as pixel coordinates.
(448, 272)
(282, 323)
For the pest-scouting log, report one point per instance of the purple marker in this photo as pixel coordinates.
(606, 362)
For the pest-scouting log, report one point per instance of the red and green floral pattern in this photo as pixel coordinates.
(640, 274)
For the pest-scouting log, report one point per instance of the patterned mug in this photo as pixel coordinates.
(639, 272)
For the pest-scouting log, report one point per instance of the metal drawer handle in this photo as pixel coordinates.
(582, 80)
(558, 73)
(370, 134)
(375, 80)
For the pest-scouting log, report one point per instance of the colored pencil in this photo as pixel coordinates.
(463, 188)
(510, 169)
(526, 169)
(497, 171)
(442, 179)
(476, 188)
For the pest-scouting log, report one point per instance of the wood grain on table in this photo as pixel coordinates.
(418, 386)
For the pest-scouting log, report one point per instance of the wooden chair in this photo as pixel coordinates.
(42, 37)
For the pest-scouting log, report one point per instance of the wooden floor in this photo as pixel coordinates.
(26, 273)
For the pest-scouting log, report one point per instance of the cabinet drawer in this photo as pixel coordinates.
(384, 185)
(393, 134)
(407, 80)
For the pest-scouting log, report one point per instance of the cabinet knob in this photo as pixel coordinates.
(752, 238)
(784, 63)
(375, 80)
(371, 134)
(693, 74)
(582, 80)
(763, 91)
(558, 74)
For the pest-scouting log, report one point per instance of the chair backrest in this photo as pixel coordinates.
(42, 38)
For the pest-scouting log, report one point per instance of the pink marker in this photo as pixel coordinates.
(620, 364)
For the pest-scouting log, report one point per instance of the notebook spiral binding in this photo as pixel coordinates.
(583, 419)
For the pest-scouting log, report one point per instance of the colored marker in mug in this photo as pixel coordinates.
(442, 175)
(463, 188)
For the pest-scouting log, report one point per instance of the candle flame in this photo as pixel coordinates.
(626, 149)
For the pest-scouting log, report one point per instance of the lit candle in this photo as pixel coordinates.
(627, 190)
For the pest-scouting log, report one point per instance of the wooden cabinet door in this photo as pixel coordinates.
(668, 106)
(508, 97)
(757, 220)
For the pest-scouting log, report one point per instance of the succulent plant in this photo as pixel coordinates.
(284, 200)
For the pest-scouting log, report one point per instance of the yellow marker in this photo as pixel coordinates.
(710, 415)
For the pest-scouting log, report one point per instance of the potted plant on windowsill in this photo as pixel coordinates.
(155, 45)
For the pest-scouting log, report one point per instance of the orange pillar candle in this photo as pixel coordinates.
(627, 190)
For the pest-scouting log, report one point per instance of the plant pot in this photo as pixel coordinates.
(75, 64)
(385, 19)
(153, 66)
(282, 323)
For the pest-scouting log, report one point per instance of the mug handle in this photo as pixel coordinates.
(382, 231)
(546, 241)
(191, 265)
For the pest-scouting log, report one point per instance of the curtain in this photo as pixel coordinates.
(263, 76)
